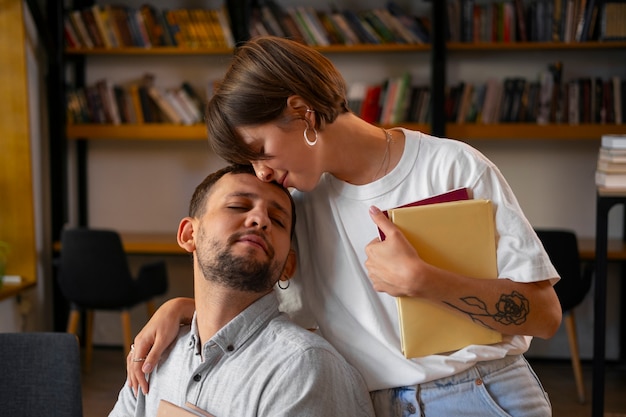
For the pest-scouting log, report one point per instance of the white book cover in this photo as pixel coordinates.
(164, 105)
(614, 141)
(188, 104)
(186, 116)
(610, 180)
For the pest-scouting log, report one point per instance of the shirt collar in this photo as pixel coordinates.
(231, 337)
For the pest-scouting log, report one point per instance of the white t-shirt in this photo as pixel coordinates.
(332, 289)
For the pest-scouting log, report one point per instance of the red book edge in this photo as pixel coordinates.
(454, 195)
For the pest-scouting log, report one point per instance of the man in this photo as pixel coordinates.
(240, 356)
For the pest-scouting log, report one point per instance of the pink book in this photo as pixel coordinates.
(454, 195)
(168, 409)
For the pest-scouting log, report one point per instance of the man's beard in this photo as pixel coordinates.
(219, 265)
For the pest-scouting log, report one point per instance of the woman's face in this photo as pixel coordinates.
(291, 161)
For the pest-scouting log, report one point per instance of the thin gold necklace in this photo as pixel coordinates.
(386, 159)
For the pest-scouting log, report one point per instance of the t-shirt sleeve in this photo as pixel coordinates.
(521, 256)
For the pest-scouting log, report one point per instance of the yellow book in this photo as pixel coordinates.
(457, 236)
(133, 90)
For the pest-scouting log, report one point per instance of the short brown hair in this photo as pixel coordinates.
(197, 204)
(265, 71)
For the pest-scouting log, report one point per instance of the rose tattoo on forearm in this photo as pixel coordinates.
(510, 309)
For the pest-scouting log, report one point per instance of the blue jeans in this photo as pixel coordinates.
(498, 388)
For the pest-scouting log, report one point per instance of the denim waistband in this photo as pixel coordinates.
(471, 374)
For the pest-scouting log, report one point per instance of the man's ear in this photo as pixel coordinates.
(290, 266)
(185, 235)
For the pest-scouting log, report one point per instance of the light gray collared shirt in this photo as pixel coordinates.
(259, 364)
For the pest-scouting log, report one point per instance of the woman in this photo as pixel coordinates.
(282, 107)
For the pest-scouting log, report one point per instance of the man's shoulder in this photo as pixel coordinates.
(297, 337)
(179, 348)
(304, 349)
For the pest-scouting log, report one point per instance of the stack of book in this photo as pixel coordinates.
(611, 168)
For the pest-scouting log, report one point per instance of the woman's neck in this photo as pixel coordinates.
(360, 153)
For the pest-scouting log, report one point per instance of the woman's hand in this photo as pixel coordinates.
(393, 265)
(154, 338)
(510, 307)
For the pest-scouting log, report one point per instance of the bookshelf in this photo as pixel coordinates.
(91, 63)
(78, 143)
(467, 131)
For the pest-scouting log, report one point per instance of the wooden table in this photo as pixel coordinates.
(147, 244)
(9, 290)
(616, 249)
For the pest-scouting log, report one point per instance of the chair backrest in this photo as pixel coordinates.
(562, 248)
(93, 269)
(40, 375)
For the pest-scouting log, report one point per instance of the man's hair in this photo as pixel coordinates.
(197, 205)
(264, 72)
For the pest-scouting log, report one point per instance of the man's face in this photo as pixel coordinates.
(243, 237)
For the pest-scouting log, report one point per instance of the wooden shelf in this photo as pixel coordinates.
(163, 131)
(361, 48)
(148, 131)
(532, 46)
(163, 50)
(397, 47)
(531, 131)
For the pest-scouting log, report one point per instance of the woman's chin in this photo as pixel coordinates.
(303, 186)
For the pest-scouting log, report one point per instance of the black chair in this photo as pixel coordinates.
(94, 275)
(40, 375)
(562, 247)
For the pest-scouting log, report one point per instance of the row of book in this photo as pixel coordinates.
(518, 100)
(391, 102)
(136, 102)
(119, 26)
(510, 100)
(537, 21)
(611, 167)
(112, 26)
(390, 24)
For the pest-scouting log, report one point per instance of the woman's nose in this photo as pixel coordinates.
(263, 172)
